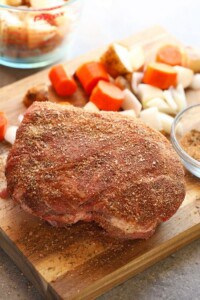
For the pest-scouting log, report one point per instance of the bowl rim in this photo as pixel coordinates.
(181, 152)
(25, 9)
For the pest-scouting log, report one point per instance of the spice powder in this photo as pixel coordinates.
(190, 142)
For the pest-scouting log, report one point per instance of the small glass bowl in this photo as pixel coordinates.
(33, 38)
(184, 122)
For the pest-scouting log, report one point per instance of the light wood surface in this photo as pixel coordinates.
(81, 261)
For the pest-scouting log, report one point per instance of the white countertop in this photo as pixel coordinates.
(103, 21)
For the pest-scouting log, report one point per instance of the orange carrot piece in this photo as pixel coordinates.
(107, 96)
(63, 83)
(3, 125)
(90, 73)
(170, 55)
(160, 75)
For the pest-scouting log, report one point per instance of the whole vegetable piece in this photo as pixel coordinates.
(160, 75)
(170, 55)
(90, 73)
(107, 96)
(3, 125)
(63, 83)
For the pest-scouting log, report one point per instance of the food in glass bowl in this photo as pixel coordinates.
(36, 33)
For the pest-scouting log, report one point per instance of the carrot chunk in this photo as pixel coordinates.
(63, 83)
(90, 73)
(160, 75)
(170, 55)
(3, 125)
(107, 96)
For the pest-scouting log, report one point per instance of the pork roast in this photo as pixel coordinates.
(68, 165)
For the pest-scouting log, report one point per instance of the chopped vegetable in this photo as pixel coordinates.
(122, 83)
(90, 73)
(195, 84)
(170, 55)
(3, 125)
(137, 58)
(64, 103)
(129, 113)
(184, 76)
(36, 93)
(160, 75)
(170, 100)
(46, 3)
(107, 96)
(166, 121)
(179, 97)
(20, 118)
(91, 107)
(117, 60)
(160, 104)
(38, 33)
(147, 92)
(151, 117)
(10, 134)
(192, 59)
(12, 29)
(136, 80)
(131, 102)
(63, 83)
(14, 2)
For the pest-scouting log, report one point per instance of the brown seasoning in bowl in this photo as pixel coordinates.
(190, 142)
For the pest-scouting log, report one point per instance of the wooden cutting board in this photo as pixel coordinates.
(81, 261)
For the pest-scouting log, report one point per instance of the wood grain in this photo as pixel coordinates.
(81, 261)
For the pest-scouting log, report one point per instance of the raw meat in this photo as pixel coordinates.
(69, 165)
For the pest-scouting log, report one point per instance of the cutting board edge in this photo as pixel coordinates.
(26, 267)
(107, 283)
(103, 285)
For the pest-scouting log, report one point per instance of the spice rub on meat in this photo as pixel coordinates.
(68, 165)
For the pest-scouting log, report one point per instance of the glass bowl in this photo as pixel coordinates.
(185, 121)
(32, 38)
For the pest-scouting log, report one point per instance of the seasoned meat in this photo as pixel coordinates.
(69, 165)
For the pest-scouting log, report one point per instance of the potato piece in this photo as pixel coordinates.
(46, 3)
(192, 59)
(12, 29)
(14, 2)
(151, 117)
(147, 92)
(117, 60)
(184, 76)
(137, 58)
(122, 83)
(36, 93)
(39, 32)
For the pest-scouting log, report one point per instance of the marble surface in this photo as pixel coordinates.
(102, 21)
